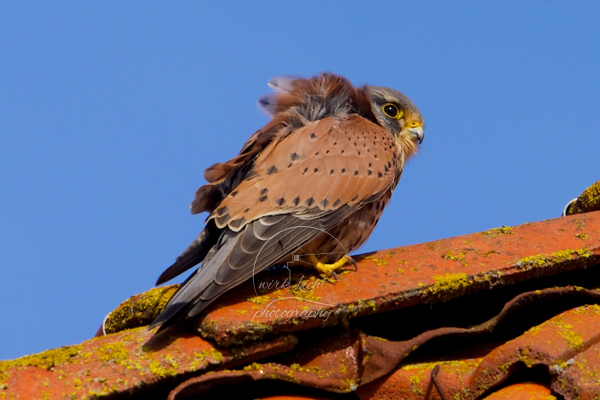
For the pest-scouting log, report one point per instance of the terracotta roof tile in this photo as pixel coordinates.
(579, 377)
(482, 312)
(402, 277)
(523, 391)
(123, 363)
(566, 344)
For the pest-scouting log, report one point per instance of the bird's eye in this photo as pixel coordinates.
(392, 111)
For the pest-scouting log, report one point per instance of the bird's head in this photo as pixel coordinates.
(399, 116)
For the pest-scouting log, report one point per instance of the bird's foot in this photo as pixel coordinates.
(328, 270)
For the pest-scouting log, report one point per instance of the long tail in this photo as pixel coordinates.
(193, 255)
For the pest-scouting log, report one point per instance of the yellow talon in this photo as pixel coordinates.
(329, 269)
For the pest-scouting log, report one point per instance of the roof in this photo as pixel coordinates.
(495, 314)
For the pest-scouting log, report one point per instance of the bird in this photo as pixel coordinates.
(316, 178)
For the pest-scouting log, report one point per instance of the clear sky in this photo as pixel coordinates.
(110, 111)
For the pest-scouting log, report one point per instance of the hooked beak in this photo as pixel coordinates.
(417, 133)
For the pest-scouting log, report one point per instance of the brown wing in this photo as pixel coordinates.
(298, 102)
(223, 177)
(299, 186)
(322, 166)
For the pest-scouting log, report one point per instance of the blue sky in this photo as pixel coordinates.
(110, 111)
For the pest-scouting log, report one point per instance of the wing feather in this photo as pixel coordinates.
(290, 178)
(194, 254)
(239, 256)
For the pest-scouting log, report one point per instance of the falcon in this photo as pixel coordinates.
(316, 178)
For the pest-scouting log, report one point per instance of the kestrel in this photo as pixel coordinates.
(317, 177)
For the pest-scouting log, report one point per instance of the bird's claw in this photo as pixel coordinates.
(328, 270)
(334, 276)
(353, 263)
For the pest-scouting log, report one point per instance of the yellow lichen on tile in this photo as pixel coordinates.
(161, 371)
(456, 367)
(415, 383)
(526, 358)
(587, 201)
(534, 330)
(113, 352)
(572, 337)
(450, 283)
(504, 230)
(260, 300)
(46, 360)
(451, 255)
(539, 260)
(140, 309)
